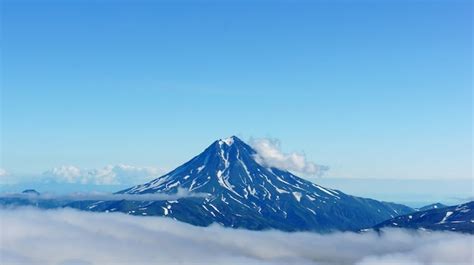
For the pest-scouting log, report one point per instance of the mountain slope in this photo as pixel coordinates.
(241, 193)
(459, 218)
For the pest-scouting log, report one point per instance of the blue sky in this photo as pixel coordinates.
(373, 89)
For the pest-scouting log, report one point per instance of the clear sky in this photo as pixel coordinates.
(372, 89)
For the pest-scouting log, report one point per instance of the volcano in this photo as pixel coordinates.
(226, 184)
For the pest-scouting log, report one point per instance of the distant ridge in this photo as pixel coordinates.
(459, 218)
(432, 206)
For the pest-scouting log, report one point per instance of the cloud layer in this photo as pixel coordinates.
(269, 154)
(102, 196)
(109, 175)
(67, 237)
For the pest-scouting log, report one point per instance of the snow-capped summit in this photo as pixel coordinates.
(243, 193)
(229, 141)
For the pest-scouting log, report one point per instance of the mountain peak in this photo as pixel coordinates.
(230, 140)
(229, 147)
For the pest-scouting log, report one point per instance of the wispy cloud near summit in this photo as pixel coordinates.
(269, 153)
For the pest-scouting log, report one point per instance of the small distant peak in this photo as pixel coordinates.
(31, 191)
(432, 206)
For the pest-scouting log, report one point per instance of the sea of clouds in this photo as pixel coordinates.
(103, 196)
(71, 237)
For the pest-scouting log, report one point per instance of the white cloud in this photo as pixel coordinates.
(66, 237)
(3, 172)
(6, 177)
(269, 154)
(68, 174)
(108, 175)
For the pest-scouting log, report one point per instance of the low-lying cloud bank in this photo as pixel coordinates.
(101, 196)
(66, 174)
(70, 237)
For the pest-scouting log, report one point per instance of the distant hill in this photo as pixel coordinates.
(432, 206)
(458, 218)
(31, 192)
